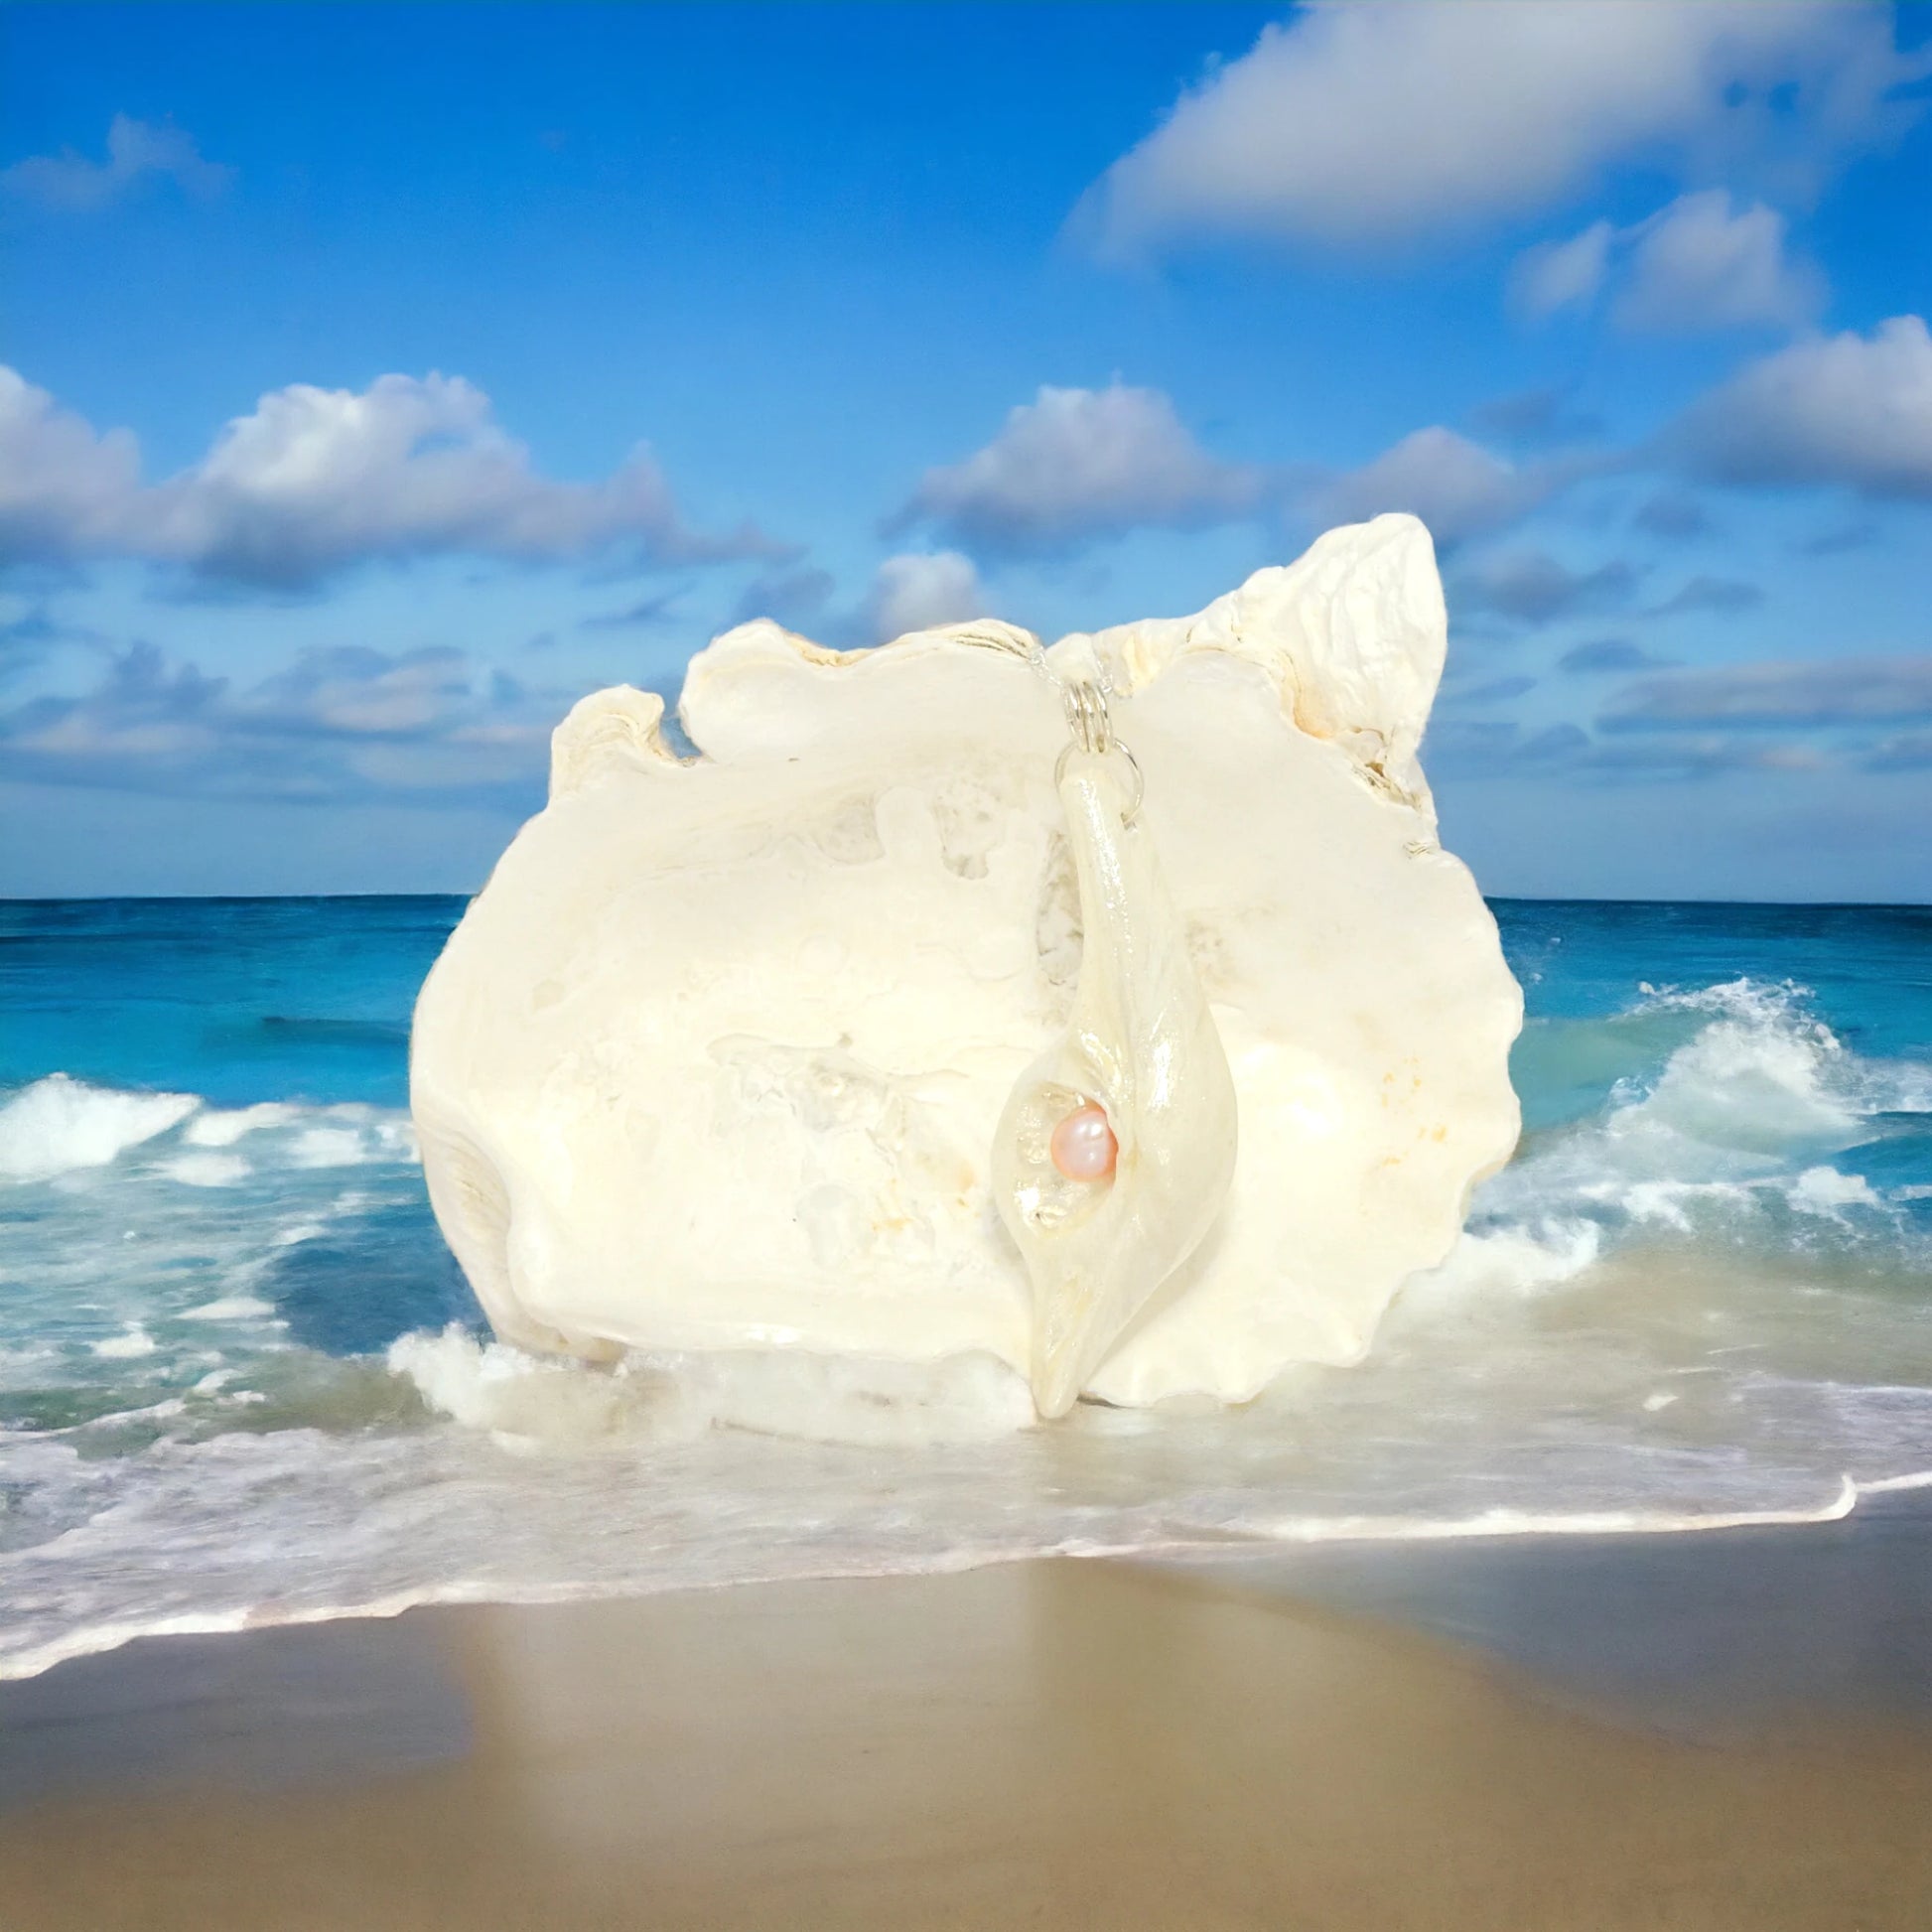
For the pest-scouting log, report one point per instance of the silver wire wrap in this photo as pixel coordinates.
(1092, 729)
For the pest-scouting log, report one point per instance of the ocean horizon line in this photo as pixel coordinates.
(1490, 899)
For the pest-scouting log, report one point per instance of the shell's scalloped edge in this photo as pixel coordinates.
(1298, 622)
(620, 722)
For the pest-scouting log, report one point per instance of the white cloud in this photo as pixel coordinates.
(921, 589)
(144, 708)
(355, 692)
(1703, 262)
(1791, 696)
(63, 488)
(1564, 274)
(316, 479)
(1382, 118)
(1457, 487)
(335, 723)
(135, 149)
(1849, 409)
(1641, 760)
(1568, 753)
(1076, 463)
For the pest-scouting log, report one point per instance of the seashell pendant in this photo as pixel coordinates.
(1116, 1149)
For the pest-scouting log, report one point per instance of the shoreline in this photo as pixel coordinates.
(1242, 1743)
(1394, 1537)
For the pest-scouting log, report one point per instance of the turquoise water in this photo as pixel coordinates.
(241, 1380)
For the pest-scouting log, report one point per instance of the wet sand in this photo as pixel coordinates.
(1050, 1744)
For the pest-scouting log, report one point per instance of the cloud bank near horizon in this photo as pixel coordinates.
(313, 481)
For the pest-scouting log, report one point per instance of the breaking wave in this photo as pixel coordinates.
(57, 1124)
(1736, 1137)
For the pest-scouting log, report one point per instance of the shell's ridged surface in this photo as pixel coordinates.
(719, 1057)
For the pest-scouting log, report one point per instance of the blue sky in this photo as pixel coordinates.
(380, 379)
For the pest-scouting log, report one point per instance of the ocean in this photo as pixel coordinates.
(242, 1382)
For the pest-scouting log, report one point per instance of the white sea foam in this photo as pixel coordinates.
(59, 1125)
(222, 1127)
(1513, 1261)
(230, 1307)
(846, 1399)
(520, 1400)
(130, 1344)
(665, 1397)
(1504, 1521)
(1823, 1190)
(328, 1146)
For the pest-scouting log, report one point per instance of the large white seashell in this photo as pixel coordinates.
(720, 1056)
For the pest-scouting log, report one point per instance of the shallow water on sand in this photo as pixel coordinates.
(241, 1381)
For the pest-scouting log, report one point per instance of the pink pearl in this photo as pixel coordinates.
(1083, 1144)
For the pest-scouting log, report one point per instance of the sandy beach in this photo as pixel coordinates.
(1050, 1744)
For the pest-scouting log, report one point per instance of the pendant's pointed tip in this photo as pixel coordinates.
(1057, 1380)
(1052, 1405)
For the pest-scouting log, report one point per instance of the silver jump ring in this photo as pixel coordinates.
(1132, 809)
